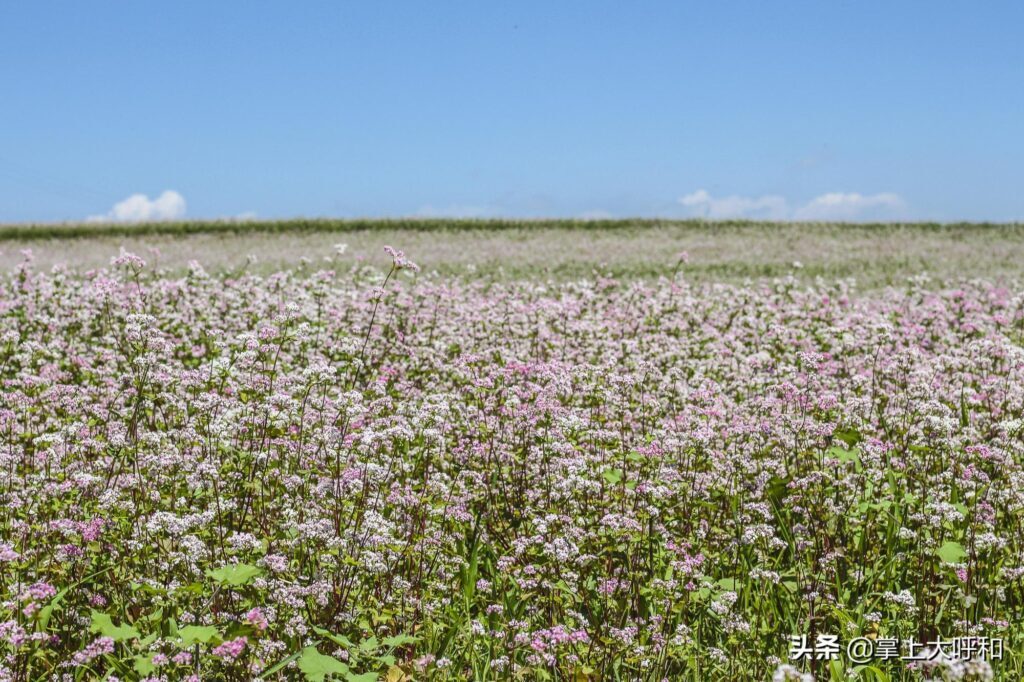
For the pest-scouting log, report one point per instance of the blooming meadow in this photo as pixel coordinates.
(362, 475)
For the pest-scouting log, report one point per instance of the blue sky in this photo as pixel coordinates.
(815, 110)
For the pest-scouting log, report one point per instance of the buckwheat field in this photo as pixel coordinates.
(363, 470)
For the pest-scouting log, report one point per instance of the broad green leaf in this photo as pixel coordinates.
(730, 584)
(362, 677)
(235, 574)
(144, 664)
(337, 639)
(316, 666)
(399, 640)
(47, 611)
(849, 436)
(613, 476)
(104, 626)
(843, 455)
(951, 552)
(280, 665)
(190, 634)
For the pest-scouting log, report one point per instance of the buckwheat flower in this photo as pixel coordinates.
(275, 562)
(99, 647)
(7, 553)
(724, 602)
(257, 618)
(611, 586)
(788, 673)
(13, 633)
(128, 258)
(399, 261)
(41, 591)
(978, 670)
(231, 649)
(903, 599)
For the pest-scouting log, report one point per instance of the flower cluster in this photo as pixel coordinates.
(224, 476)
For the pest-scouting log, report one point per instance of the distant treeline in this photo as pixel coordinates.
(85, 230)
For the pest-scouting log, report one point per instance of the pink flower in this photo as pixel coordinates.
(41, 591)
(101, 646)
(257, 618)
(399, 260)
(231, 649)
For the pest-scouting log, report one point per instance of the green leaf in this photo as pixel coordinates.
(337, 639)
(235, 574)
(103, 625)
(144, 664)
(280, 665)
(190, 634)
(844, 455)
(316, 666)
(849, 436)
(951, 552)
(877, 674)
(362, 677)
(613, 476)
(47, 611)
(399, 640)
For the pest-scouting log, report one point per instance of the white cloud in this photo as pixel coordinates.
(769, 206)
(848, 206)
(138, 208)
(844, 206)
